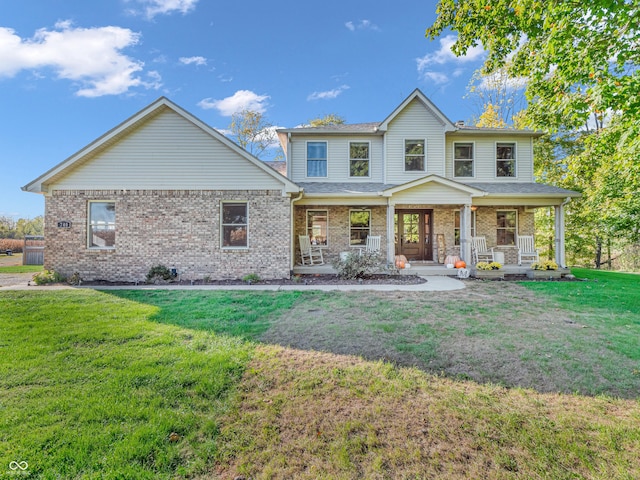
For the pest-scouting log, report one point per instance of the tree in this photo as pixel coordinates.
(581, 64)
(253, 132)
(578, 57)
(327, 120)
(500, 98)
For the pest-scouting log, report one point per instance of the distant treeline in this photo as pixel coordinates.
(17, 229)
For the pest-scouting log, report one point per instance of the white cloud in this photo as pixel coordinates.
(362, 25)
(328, 95)
(444, 56)
(90, 56)
(241, 100)
(193, 60)
(151, 8)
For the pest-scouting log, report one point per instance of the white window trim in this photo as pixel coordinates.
(222, 224)
(515, 236)
(349, 156)
(306, 222)
(89, 247)
(515, 159)
(349, 231)
(473, 159)
(306, 158)
(404, 155)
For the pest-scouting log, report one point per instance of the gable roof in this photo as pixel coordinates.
(471, 190)
(428, 104)
(132, 123)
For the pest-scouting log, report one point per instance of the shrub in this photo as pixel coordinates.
(48, 276)
(159, 274)
(13, 244)
(488, 266)
(546, 265)
(358, 266)
(251, 278)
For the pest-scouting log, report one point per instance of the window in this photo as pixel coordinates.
(505, 160)
(358, 159)
(359, 226)
(102, 225)
(463, 159)
(317, 227)
(456, 226)
(414, 155)
(234, 225)
(507, 222)
(316, 159)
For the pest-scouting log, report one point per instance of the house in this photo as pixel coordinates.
(165, 188)
(421, 182)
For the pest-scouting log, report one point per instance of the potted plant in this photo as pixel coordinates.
(546, 270)
(488, 270)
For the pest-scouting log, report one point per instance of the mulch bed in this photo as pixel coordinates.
(319, 279)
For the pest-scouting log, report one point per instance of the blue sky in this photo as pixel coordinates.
(70, 70)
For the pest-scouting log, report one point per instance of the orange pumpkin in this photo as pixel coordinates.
(460, 264)
(400, 264)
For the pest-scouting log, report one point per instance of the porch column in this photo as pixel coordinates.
(465, 234)
(391, 234)
(559, 235)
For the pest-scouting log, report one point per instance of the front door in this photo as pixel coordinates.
(413, 234)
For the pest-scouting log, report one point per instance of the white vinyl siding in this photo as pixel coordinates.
(415, 122)
(432, 194)
(337, 158)
(485, 157)
(168, 153)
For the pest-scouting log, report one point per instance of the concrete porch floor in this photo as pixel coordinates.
(417, 268)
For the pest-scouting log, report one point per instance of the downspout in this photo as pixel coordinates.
(292, 233)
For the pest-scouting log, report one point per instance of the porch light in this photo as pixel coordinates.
(474, 208)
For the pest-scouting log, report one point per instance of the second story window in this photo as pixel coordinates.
(463, 159)
(316, 159)
(505, 160)
(414, 156)
(359, 159)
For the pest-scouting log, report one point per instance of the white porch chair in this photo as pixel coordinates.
(310, 254)
(480, 251)
(527, 249)
(372, 245)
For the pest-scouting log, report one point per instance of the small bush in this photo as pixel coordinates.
(358, 266)
(546, 265)
(488, 266)
(48, 276)
(13, 244)
(159, 274)
(251, 278)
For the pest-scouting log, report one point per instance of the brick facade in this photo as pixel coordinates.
(175, 228)
(338, 229)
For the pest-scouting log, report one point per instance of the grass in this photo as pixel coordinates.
(21, 269)
(91, 388)
(93, 384)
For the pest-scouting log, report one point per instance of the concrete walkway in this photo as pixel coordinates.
(433, 284)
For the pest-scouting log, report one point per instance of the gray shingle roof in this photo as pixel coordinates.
(343, 188)
(515, 188)
(371, 127)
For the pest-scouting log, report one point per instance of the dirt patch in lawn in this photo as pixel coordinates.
(497, 332)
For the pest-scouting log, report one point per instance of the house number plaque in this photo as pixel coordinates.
(64, 224)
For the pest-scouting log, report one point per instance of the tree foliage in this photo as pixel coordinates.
(253, 132)
(578, 57)
(581, 64)
(327, 120)
(10, 228)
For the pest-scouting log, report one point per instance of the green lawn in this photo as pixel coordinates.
(21, 269)
(91, 388)
(93, 384)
